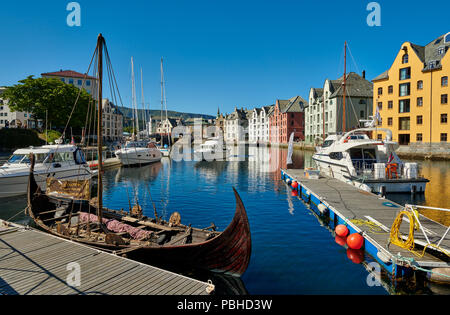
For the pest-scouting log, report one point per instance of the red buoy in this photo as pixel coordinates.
(355, 255)
(294, 193)
(341, 230)
(295, 185)
(355, 241)
(340, 240)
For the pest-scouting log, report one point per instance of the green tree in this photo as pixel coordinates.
(51, 98)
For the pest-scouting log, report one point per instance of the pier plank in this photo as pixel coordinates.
(35, 263)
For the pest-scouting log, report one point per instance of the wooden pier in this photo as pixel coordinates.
(36, 263)
(345, 204)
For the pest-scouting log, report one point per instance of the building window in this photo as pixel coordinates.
(390, 121)
(444, 99)
(80, 82)
(405, 73)
(404, 89)
(405, 58)
(443, 118)
(443, 137)
(88, 82)
(432, 64)
(63, 80)
(419, 137)
(380, 137)
(380, 105)
(420, 85)
(420, 101)
(404, 106)
(441, 50)
(420, 120)
(390, 104)
(404, 123)
(444, 81)
(391, 89)
(380, 91)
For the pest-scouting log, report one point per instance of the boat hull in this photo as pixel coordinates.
(138, 156)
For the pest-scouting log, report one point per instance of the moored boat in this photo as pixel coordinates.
(138, 153)
(368, 164)
(59, 161)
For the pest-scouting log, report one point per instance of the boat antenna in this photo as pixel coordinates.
(344, 86)
(100, 43)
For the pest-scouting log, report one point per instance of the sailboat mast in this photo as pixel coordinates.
(134, 103)
(344, 86)
(143, 103)
(162, 92)
(100, 127)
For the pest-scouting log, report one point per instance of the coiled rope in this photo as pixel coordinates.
(408, 244)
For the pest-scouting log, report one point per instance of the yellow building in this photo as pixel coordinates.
(412, 96)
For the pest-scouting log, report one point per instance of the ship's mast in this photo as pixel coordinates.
(133, 96)
(100, 43)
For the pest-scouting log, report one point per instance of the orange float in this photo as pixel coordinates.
(355, 241)
(341, 230)
(295, 185)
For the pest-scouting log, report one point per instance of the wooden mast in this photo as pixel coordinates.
(344, 86)
(100, 42)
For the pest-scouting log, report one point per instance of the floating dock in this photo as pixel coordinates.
(37, 263)
(342, 203)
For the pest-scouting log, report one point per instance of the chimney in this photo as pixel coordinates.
(364, 74)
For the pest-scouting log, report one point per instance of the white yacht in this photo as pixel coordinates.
(211, 150)
(137, 153)
(371, 165)
(58, 161)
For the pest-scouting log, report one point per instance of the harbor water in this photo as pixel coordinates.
(293, 253)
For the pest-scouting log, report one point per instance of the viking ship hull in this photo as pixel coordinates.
(227, 252)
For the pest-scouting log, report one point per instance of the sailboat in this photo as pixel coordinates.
(165, 148)
(368, 164)
(137, 152)
(67, 211)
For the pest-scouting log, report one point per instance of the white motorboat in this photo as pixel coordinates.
(137, 153)
(211, 150)
(63, 162)
(368, 164)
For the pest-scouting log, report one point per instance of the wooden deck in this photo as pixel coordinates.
(351, 203)
(36, 263)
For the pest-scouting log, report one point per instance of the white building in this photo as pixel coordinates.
(112, 121)
(259, 125)
(77, 79)
(236, 126)
(325, 109)
(12, 119)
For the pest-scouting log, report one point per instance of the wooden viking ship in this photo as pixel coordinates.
(66, 210)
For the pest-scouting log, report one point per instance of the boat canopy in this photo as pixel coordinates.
(47, 149)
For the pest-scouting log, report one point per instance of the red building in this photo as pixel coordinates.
(288, 117)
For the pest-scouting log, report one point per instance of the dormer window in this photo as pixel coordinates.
(447, 38)
(432, 64)
(405, 58)
(441, 50)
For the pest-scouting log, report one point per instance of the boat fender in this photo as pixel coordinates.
(322, 208)
(439, 275)
(355, 241)
(384, 257)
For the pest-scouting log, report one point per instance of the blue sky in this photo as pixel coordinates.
(218, 53)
